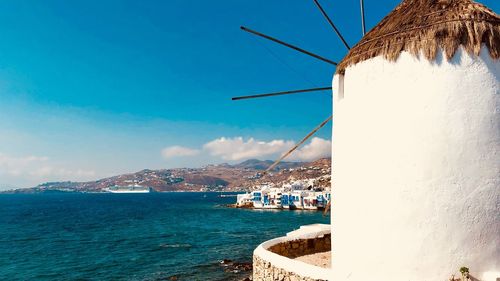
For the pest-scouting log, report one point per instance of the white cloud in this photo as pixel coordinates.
(15, 166)
(237, 149)
(36, 169)
(50, 171)
(178, 151)
(317, 148)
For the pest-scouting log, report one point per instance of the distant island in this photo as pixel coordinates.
(223, 177)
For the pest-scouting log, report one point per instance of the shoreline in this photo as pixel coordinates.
(91, 192)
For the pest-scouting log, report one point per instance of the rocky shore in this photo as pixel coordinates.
(243, 268)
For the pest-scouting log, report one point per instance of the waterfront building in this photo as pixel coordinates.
(245, 199)
(285, 200)
(257, 199)
(297, 199)
(281, 198)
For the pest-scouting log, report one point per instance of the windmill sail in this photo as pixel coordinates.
(331, 24)
(288, 45)
(282, 93)
(298, 144)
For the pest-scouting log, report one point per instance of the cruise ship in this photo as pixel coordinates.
(129, 189)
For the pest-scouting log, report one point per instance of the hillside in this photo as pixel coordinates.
(223, 177)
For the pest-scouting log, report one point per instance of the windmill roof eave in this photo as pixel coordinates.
(424, 27)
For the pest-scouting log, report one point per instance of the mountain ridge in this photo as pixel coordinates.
(219, 177)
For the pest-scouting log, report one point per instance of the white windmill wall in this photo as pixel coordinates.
(416, 169)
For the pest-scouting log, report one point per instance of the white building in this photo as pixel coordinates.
(244, 199)
(416, 147)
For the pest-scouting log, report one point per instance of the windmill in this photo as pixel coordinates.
(308, 90)
(417, 185)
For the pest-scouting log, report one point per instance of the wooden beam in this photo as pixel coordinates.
(282, 93)
(363, 27)
(298, 144)
(287, 45)
(332, 25)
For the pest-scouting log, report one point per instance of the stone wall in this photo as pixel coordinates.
(302, 247)
(265, 271)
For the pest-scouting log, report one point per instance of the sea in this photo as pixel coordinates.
(155, 236)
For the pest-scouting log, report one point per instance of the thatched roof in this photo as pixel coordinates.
(425, 26)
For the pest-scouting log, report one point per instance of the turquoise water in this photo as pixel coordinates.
(132, 236)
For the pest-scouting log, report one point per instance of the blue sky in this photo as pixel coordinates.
(95, 88)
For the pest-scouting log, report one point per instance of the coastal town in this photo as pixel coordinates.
(300, 195)
(246, 176)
